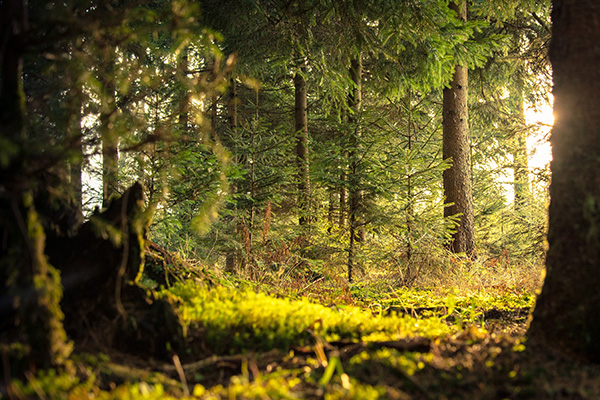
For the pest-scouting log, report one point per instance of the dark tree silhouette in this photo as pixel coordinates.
(566, 315)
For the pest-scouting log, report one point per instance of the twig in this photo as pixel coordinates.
(181, 373)
(312, 283)
(195, 366)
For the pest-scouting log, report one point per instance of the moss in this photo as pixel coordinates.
(43, 315)
(234, 320)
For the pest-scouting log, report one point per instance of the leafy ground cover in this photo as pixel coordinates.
(421, 343)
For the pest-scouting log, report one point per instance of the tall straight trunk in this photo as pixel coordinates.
(24, 267)
(231, 258)
(301, 118)
(456, 147)
(330, 209)
(520, 163)
(342, 215)
(566, 312)
(232, 104)
(342, 187)
(108, 134)
(75, 133)
(409, 181)
(356, 226)
(183, 118)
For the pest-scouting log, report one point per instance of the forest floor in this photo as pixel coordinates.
(325, 339)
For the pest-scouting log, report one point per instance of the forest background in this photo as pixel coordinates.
(238, 157)
(296, 145)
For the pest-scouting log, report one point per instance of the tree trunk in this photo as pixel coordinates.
(184, 102)
(301, 118)
(354, 209)
(75, 136)
(330, 209)
(410, 212)
(24, 270)
(456, 147)
(108, 133)
(566, 313)
(520, 162)
(232, 257)
(342, 214)
(232, 103)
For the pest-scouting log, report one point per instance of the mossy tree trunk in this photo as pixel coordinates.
(566, 314)
(456, 147)
(26, 274)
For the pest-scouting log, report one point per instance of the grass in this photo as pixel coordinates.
(327, 339)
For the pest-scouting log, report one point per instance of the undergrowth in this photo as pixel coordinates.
(289, 337)
(236, 320)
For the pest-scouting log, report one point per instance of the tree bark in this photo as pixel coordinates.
(354, 209)
(25, 273)
(108, 134)
(232, 257)
(301, 118)
(75, 136)
(184, 101)
(520, 162)
(342, 189)
(566, 313)
(456, 147)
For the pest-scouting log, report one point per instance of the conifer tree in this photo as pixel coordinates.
(356, 226)
(302, 158)
(566, 312)
(24, 268)
(457, 178)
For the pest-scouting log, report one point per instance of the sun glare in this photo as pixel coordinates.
(540, 151)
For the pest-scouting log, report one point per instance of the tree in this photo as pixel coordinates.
(498, 131)
(302, 157)
(23, 261)
(51, 84)
(456, 147)
(108, 135)
(355, 207)
(566, 313)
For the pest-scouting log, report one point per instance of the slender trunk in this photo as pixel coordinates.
(12, 99)
(74, 134)
(214, 108)
(301, 118)
(456, 147)
(566, 312)
(110, 160)
(342, 177)
(108, 134)
(409, 183)
(184, 102)
(520, 164)
(356, 227)
(342, 193)
(231, 259)
(330, 210)
(253, 167)
(232, 103)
